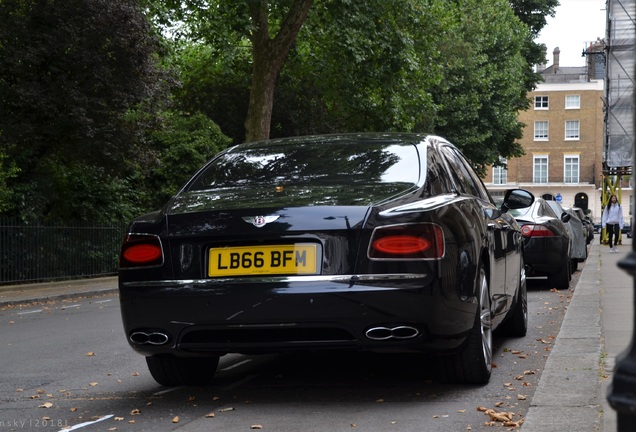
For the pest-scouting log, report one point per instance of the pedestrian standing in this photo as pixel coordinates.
(612, 219)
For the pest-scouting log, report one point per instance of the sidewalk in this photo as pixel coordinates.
(572, 392)
(16, 294)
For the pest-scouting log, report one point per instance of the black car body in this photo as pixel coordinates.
(381, 242)
(546, 241)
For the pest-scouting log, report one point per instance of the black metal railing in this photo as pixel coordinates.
(51, 251)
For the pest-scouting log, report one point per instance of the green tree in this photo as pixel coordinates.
(8, 170)
(457, 68)
(268, 29)
(533, 13)
(71, 73)
(184, 144)
(484, 84)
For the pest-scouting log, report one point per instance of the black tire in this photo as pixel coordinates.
(473, 365)
(173, 371)
(574, 264)
(561, 279)
(517, 323)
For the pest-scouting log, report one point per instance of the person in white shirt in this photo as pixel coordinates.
(612, 219)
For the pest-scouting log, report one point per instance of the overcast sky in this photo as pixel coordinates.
(575, 25)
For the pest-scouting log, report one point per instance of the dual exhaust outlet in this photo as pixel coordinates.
(379, 333)
(149, 338)
(401, 332)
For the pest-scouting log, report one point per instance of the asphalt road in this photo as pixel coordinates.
(65, 365)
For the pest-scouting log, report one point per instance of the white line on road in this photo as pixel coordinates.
(81, 425)
(30, 312)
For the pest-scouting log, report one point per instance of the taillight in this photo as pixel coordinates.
(536, 231)
(141, 251)
(409, 241)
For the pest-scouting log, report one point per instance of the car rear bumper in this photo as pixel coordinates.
(378, 313)
(546, 255)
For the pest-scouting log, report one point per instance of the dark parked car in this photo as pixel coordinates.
(546, 243)
(578, 247)
(379, 242)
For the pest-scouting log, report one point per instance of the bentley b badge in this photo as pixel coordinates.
(260, 221)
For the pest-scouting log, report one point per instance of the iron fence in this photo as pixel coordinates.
(48, 252)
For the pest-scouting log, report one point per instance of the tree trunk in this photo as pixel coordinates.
(268, 56)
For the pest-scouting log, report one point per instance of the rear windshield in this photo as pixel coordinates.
(313, 164)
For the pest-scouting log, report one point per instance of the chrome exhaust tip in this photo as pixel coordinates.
(149, 338)
(402, 332)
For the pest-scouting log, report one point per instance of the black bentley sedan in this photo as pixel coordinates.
(547, 242)
(378, 242)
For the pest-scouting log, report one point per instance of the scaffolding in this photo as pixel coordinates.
(619, 98)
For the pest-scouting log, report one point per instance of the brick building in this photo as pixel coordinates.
(562, 138)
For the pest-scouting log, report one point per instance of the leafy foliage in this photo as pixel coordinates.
(71, 71)
(483, 87)
(184, 145)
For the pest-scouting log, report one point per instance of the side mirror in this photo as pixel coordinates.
(565, 217)
(516, 199)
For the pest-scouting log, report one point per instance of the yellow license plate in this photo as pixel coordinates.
(296, 259)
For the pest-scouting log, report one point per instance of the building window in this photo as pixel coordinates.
(572, 130)
(500, 173)
(572, 101)
(541, 102)
(540, 169)
(571, 169)
(540, 130)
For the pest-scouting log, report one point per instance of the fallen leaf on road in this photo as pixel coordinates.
(136, 411)
(46, 405)
(118, 419)
(209, 415)
(256, 426)
(175, 419)
(226, 409)
(90, 354)
(522, 397)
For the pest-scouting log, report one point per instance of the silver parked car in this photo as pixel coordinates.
(578, 250)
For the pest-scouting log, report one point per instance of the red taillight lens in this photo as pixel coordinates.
(536, 231)
(141, 250)
(410, 241)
